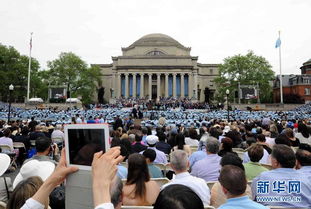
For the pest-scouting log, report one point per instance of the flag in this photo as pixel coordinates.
(278, 43)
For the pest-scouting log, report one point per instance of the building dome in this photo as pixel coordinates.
(306, 67)
(156, 39)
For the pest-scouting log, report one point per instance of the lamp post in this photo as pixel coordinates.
(11, 88)
(227, 93)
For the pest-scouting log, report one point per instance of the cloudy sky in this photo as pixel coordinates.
(96, 30)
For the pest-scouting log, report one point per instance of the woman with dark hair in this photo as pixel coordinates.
(178, 196)
(289, 133)
(192, 140)
(303, 134)
(225, 146)
(139, 189)
(23, 191)
(180, 144)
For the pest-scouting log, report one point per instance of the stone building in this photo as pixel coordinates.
(157, 66)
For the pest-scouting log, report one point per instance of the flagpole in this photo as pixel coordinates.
(281, 79)
(29, 67)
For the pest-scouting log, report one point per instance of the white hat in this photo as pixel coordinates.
(43, 169)
(226, 129)
(151, 139)
(4, 162)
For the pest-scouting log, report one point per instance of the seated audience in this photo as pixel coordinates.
(265, 158)
(208, 168)
(217, 195)
(181, 145)
(45, 148)
(6, 140)
(192, 140)
(180, 164)
(179, 197)
(25, 190)
(233, 182)
(303, 134)
(288, 132)
(152, 141)
(137, 146)
(253, 167)
(287, 181)
(261, 139)
(139, 189)
(162, 145)
(154, 171)
(225, 146)
(303, 156)
(57, 135)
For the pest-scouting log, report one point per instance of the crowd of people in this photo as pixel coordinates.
(254, 160)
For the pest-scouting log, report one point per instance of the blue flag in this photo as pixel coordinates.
(278, 43)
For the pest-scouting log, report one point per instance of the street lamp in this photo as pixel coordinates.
(11, 88)
(227, 93)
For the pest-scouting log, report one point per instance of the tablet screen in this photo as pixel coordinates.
(83, 143)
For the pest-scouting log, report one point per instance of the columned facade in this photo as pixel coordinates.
(157, 66)
(133, 89)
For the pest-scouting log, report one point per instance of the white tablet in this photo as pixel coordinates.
(82, 141)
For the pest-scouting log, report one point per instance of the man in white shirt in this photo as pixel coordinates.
(180, 164)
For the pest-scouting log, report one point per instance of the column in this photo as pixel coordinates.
(174, 85)
(126, 85)
(141, 85)
(158, 85)
(182, 85)
(134, 85)
(166, 85)
(150, 86)
(195, 85)
(190, 86)
(118, 85)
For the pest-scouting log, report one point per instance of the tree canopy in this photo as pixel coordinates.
(70, 70)
(14, 70)
(248, 69)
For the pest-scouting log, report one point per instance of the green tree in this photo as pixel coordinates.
(248, 69)
(70, 70)
(14, 70)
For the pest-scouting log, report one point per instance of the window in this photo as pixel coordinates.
(307, 91)
(306, 81)
(155, 53)
(211, 71)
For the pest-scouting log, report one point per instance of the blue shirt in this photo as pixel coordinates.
(122, 172)
(288, 187)
(208, 168)
(196, 156)
(241, 203)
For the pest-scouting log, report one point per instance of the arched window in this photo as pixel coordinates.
(155, 53)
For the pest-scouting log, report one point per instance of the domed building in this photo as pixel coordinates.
(157, 66)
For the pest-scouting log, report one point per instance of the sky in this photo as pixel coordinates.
(96, 30)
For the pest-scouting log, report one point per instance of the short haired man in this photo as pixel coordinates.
(44, 148)
(303, 156)
(137, 146)
(253, 168)
(160, 156)
(154, 171)
(287, 187)
(208, 168)
(180, 164)
(233, 182)
(162, 145)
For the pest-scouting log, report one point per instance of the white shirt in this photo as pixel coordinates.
(303, 139)
(191, 142)
(198, 185)
(33, 204)
(270, 141)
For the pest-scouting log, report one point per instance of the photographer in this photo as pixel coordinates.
(46, 150)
